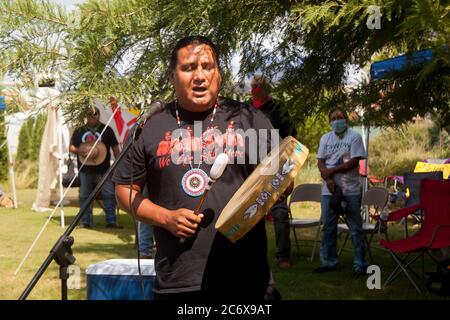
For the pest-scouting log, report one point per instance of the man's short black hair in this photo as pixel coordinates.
(184, 42)
(336, 110)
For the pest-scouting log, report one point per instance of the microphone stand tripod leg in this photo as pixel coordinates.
(63, 275)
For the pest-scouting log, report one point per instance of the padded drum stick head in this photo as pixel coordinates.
(219, 166)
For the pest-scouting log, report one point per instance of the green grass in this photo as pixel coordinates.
(19, 227)
(299, 282)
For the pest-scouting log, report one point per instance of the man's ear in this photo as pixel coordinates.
(171, 76)
(220, 79)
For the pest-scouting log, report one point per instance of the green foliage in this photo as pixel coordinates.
(121, 48)
(30, 137)
(27, 174)
(31, 33)
(3, 146)
(25, 141)
(311, 129)
(440, 137)
(394, 152)
(309, 172)
(3, 149)
(27, 157)
(440, 132)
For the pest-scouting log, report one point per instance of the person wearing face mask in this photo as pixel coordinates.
(338, 158)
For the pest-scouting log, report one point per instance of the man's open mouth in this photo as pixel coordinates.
(199, 89)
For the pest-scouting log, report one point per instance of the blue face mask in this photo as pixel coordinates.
(339, 125)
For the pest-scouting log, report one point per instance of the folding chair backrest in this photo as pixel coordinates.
(376, 196)
(435, 201)
(306, 192)
(412, 182)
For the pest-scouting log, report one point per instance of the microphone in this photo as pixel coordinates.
(155, 107)
(216, 172)
(217, 169)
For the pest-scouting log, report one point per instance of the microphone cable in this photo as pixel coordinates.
(139, 127)
(132, 211)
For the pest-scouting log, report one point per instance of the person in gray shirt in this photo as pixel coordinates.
(338, 158)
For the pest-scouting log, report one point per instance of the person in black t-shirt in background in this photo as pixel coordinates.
(95, 166)
(207, 265)
(262, 101)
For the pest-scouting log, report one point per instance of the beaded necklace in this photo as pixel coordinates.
(194, 181)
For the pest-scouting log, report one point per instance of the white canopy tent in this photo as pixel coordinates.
(53, 152)
(54, 145)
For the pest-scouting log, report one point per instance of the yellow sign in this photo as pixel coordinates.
(430, 167)
(134, 110)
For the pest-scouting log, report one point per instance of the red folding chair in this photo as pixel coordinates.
(434, 200)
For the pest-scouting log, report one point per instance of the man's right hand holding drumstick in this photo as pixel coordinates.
(182, 223)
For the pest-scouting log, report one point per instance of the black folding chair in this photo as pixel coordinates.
(411, 189)
(306, 193)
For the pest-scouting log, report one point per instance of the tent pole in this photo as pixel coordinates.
(366, 167)
(365, 137)
(11, 172)
(11, 175)
(60, 165)
(366, 161)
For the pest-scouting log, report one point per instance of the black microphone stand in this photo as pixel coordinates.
(62, 250)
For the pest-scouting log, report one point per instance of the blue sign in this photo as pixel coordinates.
(381, 69)
(2, 103)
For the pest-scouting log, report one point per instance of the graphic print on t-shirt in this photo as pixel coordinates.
(182, 150)
(163, 151)
(340, 150)
(234, 142)
(89, 136)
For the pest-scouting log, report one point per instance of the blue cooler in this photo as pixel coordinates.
(118, 279)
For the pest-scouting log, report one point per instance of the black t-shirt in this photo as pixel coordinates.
(85, 134)
(209, 261)
(273, 111)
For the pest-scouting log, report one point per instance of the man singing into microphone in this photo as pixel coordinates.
(206, 265)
